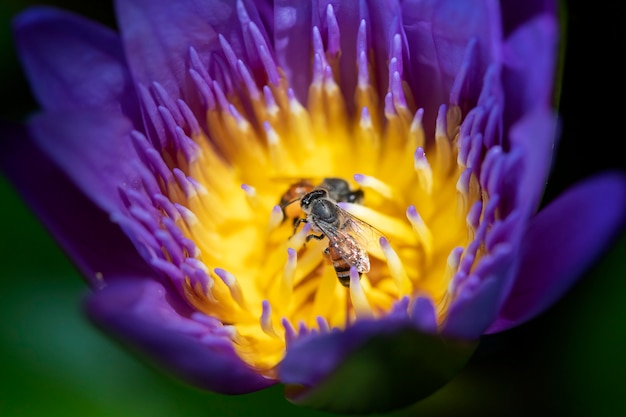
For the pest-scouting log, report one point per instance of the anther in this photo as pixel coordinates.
(270, 101)
(396, 268)
(199, 281)
(395, 87)
(290, 332)
(233, 286)
(251, 195)
(268, 64)
(334, 40)
(322, 324)
(208, 98)
(390, 110)
(191, 120)
(388, 225)
(329, 80)
(416, 131)
(452, 263)
(266, 320)
(242, 123)
(361, 306)
(289, 273)
(297, 240)
(423, 170)
(294, 105)
(375, 184)
(362, 61)
(230, 55)
(278, 153)
(444, 147)
(222, 101)
(184, 183)
(366, 119)
(188, 216)
(318, 71)
(276, 218)
(421, 230)
(248, 81)
(167, 101)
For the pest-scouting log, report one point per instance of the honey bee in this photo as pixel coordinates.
(338, 190)
(348, 236)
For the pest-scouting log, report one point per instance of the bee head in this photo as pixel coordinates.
(311, 197)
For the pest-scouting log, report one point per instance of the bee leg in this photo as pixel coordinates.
(318, 237)
(296, 223)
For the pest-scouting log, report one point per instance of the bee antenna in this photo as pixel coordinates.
(290, 202)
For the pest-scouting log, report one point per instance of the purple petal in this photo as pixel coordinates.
(294, 22)
(97, 247)
(292, 30)
(141, 315)
(157, 36)
(529, 58)
(424, 315)
(93, 149)
(348, 19)
(73, 63)
(476, 307)
(438, 34)
(561, 242)
(515, 13)
(318, 367)
(533, 138)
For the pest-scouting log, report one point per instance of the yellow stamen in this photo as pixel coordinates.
(233, 286)
(361, 306)
(420, 228)
(396, 268)
(257, 144)
(375, 184)
(388, 225)
(423, 171)
(250, 195)
(266, 320)
(276, 218)
(289, 273)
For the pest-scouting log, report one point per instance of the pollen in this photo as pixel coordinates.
(237, 254)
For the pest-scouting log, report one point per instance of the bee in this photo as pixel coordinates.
(348, 236)
(338, 190)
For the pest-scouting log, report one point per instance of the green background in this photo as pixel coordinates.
(570, 361)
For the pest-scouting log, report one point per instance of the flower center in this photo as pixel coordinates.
(231, 249)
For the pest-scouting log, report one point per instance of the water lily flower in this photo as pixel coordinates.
(162, 152)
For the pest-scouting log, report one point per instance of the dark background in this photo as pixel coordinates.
(570, 361)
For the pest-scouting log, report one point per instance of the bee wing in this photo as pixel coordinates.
(352, 239)
(366, 235)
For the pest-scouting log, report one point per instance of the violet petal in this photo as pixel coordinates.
(516, 13)
(529, 66)
(475, 308)
(292, 30)
(98, 248)
(561, 242)
(140, 314)
(94, 149)
(157, 37)
(534, 138)
(72, 62)
(438, 34)
(374, 366)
